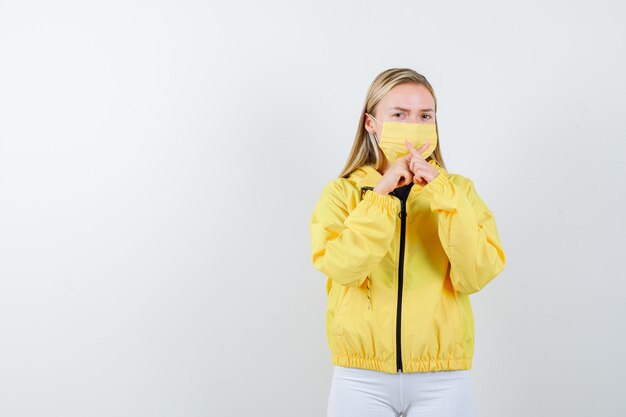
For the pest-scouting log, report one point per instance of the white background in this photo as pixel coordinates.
(159, 163)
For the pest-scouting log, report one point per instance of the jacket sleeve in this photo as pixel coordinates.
(467, 231)
(346, 246)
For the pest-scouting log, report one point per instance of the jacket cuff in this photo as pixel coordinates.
(437, 185)
(385, 201)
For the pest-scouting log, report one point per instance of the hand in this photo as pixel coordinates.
(423, 172)
(397, 175)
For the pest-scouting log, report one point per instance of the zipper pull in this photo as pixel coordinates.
(365, 188)
(402, 213)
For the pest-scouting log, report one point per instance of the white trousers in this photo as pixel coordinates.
(359, 392)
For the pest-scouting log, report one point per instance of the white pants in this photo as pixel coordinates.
(359, 392)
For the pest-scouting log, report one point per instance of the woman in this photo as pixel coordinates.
(403, 243)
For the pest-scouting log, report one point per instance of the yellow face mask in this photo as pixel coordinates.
(394, 135)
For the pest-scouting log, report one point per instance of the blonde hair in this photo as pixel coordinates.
(365, 150)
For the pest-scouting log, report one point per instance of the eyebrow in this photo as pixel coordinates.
(409, 110)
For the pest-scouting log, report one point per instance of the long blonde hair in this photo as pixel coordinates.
(365, 150)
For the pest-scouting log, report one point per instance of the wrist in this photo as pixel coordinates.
(379, 191)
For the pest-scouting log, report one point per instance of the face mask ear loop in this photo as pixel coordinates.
(375, 143)
(373, 133)
(373, 118)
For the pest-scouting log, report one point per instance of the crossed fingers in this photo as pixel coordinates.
(423, 172)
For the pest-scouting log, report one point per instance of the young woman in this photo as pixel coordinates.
(403, 243)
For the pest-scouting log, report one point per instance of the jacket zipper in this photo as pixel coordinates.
(402, 216)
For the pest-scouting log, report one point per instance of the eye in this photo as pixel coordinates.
(428, 115)
(397, 114)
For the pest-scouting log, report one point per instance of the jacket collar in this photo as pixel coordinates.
(365, 176)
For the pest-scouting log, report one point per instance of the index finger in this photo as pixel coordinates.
(417, 152)
(412, 149)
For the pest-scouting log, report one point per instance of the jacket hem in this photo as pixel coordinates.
(428, 365)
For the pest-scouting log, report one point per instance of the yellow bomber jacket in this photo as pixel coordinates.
(400, 272)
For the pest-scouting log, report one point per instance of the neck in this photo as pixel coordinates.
(385, 166)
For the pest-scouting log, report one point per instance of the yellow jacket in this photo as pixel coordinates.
(398, 285)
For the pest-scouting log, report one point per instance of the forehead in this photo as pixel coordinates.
(410, 96)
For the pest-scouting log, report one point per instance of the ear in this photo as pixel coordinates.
(370, 125)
